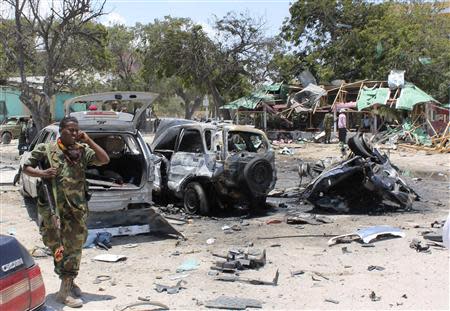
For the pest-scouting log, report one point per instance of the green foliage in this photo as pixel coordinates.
(356, 39)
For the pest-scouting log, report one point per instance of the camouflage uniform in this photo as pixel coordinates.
(69, 190)
(328, 124)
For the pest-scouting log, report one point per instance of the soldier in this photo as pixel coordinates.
(64, 163)
(327, 125)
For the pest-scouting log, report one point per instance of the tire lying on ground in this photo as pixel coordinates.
(359, 147)
(6, 138)
(195, 199)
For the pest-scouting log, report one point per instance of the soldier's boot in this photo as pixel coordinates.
(64, 295)
(76, 290)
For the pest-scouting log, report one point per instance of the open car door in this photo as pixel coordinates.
(146, 98)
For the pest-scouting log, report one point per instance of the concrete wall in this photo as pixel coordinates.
(14, 106)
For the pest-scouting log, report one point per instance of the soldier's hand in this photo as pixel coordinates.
(48, 173)
(83, 137)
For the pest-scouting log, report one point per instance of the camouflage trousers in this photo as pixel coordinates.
(73, 235)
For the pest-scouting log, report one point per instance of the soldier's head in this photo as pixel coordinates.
(68, 130)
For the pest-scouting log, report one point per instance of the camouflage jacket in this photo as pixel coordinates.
(328, 121)
(69, 185)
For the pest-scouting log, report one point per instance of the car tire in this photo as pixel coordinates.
(6, 138)
(258, 174)
(195, 199)
(359, 147)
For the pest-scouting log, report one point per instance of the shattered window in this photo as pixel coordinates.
(208, 137)
(246, 141)
(191, 141)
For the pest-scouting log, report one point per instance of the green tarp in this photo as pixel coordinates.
(369, 97)
(410, 96)
(251, 101)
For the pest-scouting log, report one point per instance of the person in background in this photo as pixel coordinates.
(327, 126)
(22, 137)
(31, 131)
(366, 123)
(342, 131)
(63, 164)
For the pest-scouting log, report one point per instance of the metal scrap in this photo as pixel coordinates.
(234, 278)
(239, 260)
(297, 218)
(170, 289)
(233, 303)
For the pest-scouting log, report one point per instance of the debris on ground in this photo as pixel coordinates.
(332, 301)
(101, 278)
(273, 221)
(302, 218)
(142, 303)
(240, 260)
(210, 241)
(365, 182)
(368, 235)
(374, 297)
(110, 257)
(378, 268)
(234, 278)
(345, 250)
(297, 272)
(170, 289)
(188, 265)
(417, 245)
(233, 303)
(41, 252)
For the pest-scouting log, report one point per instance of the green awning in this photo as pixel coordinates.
(272, 87)
(251, 101)
(410, 96)
(369, 97)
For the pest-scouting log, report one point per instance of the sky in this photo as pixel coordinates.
(129, 12)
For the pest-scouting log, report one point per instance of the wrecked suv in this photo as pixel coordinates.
(213, 165)
(122, 189)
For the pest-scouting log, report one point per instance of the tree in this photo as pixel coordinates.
(64, 42)
(223, 67)
(123, 46)
(357, 39)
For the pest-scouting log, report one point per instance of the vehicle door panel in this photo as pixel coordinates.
(188, 158)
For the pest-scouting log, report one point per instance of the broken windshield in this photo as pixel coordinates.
(246, 141)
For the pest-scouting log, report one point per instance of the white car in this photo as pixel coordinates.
(122, 189)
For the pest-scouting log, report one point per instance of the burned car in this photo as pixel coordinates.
(213, 165)
(122, 189)
(363, 183)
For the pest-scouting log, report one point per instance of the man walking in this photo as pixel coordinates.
(327, 125)
(342, 127)
(63, 163)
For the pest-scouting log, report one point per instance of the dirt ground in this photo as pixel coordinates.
(410, 279)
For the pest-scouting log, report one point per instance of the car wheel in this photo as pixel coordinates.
(195, 200)
(6, 138)
(258, 176)
(359, 147)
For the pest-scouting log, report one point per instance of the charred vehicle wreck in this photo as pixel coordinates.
(365, 182)
(213, 165)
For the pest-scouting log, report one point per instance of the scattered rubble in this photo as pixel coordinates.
(170, 289)
(233, 303)
(240, 260)
(367, 235)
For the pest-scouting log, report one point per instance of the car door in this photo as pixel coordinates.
(188, 159)
(30, 183)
